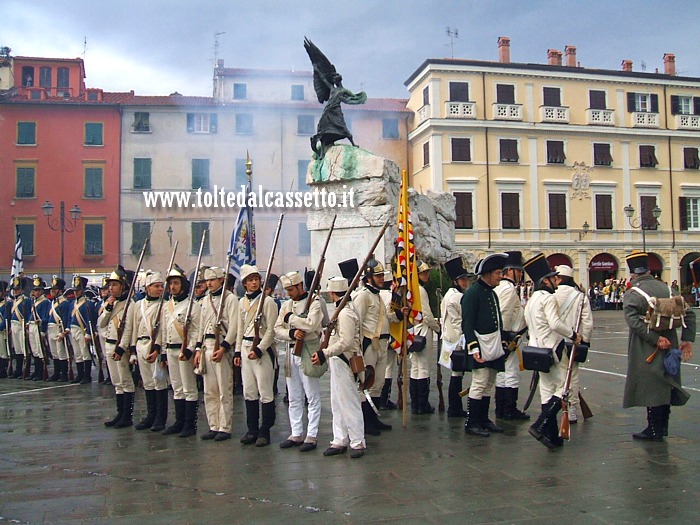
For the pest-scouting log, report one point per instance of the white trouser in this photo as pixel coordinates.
(552, 383)
(148, 369)
(420, 361)
(299, 384)
(575, 385)
(18, 342)
(182, 376)
(258, 375)
(348, 425)
(511, 377)
(80, 345)
(483, 380)
(58, 347)
(391, 363)
(35, 339)
(218, 389)
(376, 357)
(119, 371)
(4, 353)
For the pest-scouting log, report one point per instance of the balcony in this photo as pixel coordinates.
(688, 121)
(601, 117)
(460, 109)
(558, 114)
(423, 113)
(645, 120)
(507, 111)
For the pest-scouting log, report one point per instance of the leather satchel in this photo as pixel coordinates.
(460, 361)
(536, 358)
(418, 344)
(581, 351)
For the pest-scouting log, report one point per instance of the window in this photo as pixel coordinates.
(93, 183)
(647, 157)
(557, 211)
(390, 128)
(642, 103)
(244, 123)
(200, 173)
(505, 94)
(302, 168)
(25, 183)
(240, 92)
(63, 77)
(241, 175)
(555, 152)
(297, 92)
(93, 239)
(93, 134)
(197, 230)
(551, 96)
(93, 95)
(142, 174)
(510, 211)
(426, 96)
(26, 233)
(596, 99)
(27, 76)
(426, 153)
(201, 122)
(304, 240)
(305, 125)
(601, 154)
(689, 210)
(685, 105)
(461, 150)
(141, 122)
(603, 212)
(509, 150)
(459, 92)
(140, 231)
(26, 133)
(690, 158)
(463, 210)
(45, 77)
(648, 203)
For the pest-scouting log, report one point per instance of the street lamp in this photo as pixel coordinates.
(640, 222)
(584, 231)
(61, 224)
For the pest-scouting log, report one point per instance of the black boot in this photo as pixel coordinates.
(268, 420)
(63, 371)
(511, 411)
(385, 402)
(539, 429)
(369, 417)
(415, 397)
(179, 424)
(78, 378)
(120, 411)
(454, 401)
(127, 419)
(56, 371)
(425, 396)
(666, 413)
(655, 422)
(38, 370)
(87, 373)
(378, 423)
(501, 402)
(3, 368)
(486, 422)
(553, 432)
(19, 367)
(100, 374)
(147, 422)
(161, 410)
(474, 424)
(252, 416)
(190, 427)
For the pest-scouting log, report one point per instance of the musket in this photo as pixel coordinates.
(190, 301)
(315, 285)
(220, 312)
(156, 322)
(130, 295)
(42, 341)
(258, 316)
(564, 429)
(27, 353)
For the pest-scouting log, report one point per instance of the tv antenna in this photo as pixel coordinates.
(452, 34)
(216, 48)
(644, 66)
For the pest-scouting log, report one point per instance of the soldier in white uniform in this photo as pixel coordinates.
(214, 363)
(570, 299)
(180, 358)
(256, 362)
(420, 361)
(5, 312)
(138, 333)
(513, 317)
(546, 330)
(82, 323)
(344, 343)
(58, 329)
(116, 356)
(385, 402)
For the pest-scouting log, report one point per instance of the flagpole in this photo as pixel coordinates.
(405, 320)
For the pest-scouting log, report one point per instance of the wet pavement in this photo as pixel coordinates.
(59, 464)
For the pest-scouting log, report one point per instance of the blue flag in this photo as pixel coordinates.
(242, 246)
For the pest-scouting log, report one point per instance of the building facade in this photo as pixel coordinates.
(553, 157)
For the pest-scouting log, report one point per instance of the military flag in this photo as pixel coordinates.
(241, 249)
(17, 262)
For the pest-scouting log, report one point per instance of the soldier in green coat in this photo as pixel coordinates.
(648, 384)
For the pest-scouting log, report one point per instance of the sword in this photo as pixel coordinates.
(533, 388)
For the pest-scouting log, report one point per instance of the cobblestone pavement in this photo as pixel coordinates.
(61, 465)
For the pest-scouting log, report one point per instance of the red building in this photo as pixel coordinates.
(59, 142)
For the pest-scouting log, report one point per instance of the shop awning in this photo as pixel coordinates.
(603, 262)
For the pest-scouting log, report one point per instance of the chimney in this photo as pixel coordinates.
(220, 63)
(553, 57)
(504, 50)
(626, 65)
(670, 64)
(570, 52)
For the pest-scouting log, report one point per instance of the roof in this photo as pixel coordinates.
(372, 104)
(45, 59)
(250, 72)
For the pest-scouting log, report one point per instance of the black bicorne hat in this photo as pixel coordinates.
(349, 269)
(455, 268)
(538, 268)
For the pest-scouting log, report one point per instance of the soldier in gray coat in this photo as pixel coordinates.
(648, 384)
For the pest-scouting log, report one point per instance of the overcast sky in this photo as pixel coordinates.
(156, 47)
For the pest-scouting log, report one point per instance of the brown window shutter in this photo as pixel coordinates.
(551, 96)
(555, 152)
(596, 99)
(426, 153)
(509, 150)
(461, 150)
(683, 212)
(426, 96)
(603, 212)
(505, 94)
(601, 154)
(463, 209)
(690, 158)
(648, 204)
(510, 211)
(459, 92)
(557, 211)
(631, 106)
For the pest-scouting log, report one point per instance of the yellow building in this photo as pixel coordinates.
(548, 157)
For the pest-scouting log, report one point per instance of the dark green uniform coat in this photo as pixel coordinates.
(481, 313)
(647, 384)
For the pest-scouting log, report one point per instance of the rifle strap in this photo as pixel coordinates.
(176, 323)
(15, 310)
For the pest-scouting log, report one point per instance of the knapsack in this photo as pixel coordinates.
(663, 313)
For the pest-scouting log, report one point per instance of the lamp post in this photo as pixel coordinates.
(584, 231)
(62, 224)
(640, 221)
